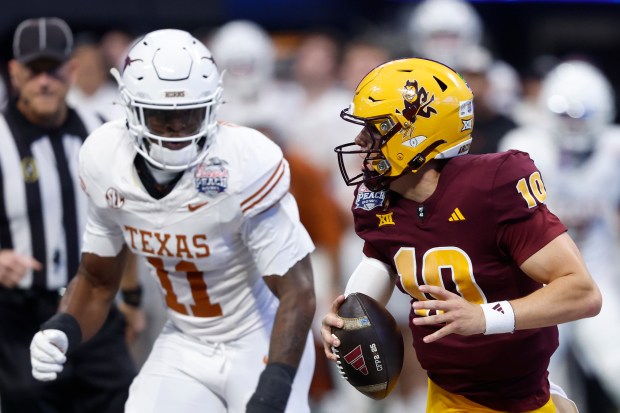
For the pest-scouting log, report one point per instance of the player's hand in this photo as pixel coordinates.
(13, 267)
(458, 316)
(330, 320)
(47, 354)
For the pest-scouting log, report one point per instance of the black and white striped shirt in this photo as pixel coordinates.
(42, 208)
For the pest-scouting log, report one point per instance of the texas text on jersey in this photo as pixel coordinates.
(197, 239)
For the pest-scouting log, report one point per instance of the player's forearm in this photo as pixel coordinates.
(91, 292)
(292, 323)
(570, 292)
(131, 277)
(88, 303)
(565, 299)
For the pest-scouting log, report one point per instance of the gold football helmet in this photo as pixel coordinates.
(415, 110)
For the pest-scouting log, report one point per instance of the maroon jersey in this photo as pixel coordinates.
(484, 219)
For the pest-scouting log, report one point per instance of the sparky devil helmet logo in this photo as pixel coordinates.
(417, 103)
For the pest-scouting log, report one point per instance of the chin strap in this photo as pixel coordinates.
(420, 159)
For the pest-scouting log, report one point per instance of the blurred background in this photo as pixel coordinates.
(292, 65)
(517, 31)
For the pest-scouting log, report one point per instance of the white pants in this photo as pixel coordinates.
(184, 375)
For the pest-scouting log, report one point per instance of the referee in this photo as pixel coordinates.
(42, 215)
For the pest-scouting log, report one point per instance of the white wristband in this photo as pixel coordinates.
(499, 317)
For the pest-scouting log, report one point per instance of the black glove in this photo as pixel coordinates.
(273, 389)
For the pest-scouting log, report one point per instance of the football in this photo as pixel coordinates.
(371, 346)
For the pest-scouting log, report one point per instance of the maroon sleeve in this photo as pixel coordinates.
(522, 239)
(511, 177)
(525, 223)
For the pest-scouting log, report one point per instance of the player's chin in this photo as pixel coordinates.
(175, 146)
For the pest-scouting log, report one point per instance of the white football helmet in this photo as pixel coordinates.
(245, 51)
(581, 103)
(171, 89)
(441, 29)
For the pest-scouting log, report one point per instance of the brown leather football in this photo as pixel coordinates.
(371, 346)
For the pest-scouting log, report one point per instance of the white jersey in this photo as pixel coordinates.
(227, 222)
(584, 195)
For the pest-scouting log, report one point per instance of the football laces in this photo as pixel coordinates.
(339, 363)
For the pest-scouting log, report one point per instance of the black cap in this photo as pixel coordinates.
(47, 38)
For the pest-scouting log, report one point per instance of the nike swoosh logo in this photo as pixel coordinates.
(193, 207)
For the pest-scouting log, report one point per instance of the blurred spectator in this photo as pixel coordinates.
(444, 30)
(360, 56)
(527, 110)
(578, 153)
(114, 45)
(4, 94)
(253, 97)
(252, 94)
(92, 87)
(317, 128)
(490, 124)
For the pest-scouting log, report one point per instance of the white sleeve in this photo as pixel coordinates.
(101, 236)
(266, 181)
(373, 278)
(276, 237)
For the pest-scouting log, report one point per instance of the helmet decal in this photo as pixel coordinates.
(414, 141)
(417, 102)
(466, 108)
(129, 61)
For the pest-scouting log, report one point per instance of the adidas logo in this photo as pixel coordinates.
(498, 307)
(456, 216)
(356, 359)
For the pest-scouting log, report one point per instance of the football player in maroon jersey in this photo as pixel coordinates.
(490, 270)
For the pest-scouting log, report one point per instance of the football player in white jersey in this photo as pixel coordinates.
(578, 153)
(207, 204)
(446, 31)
